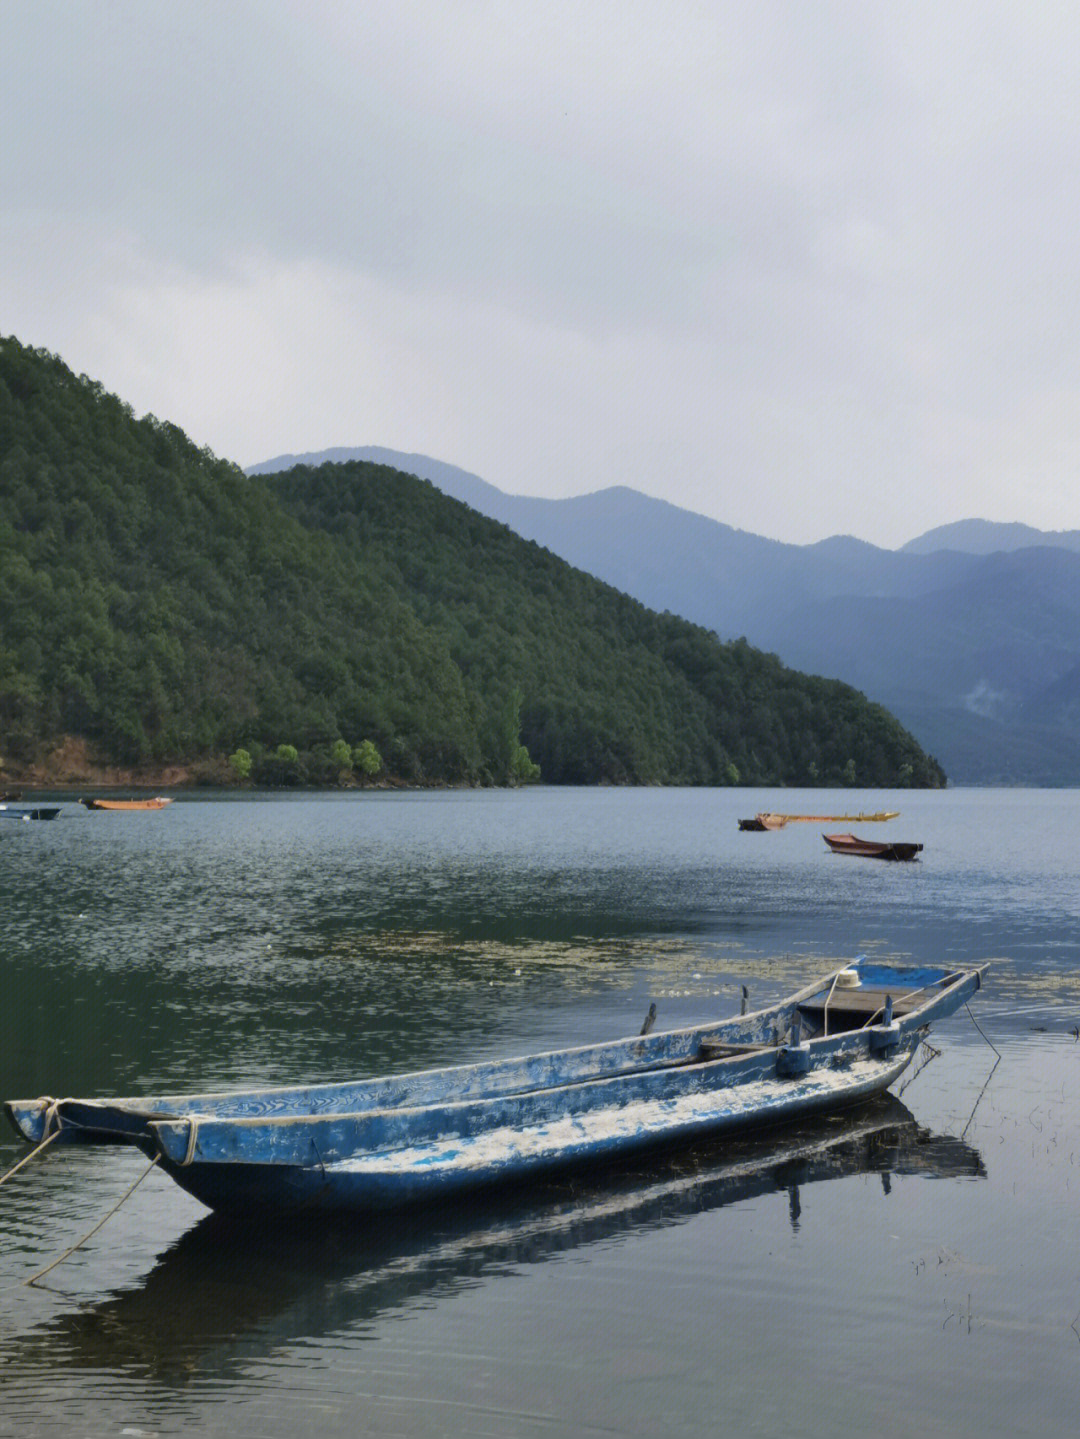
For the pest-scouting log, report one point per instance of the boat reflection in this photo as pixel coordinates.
(240, 1290)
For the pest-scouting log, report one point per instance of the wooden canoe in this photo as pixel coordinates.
(376, 1144)
(158, 802)
(768, 820)
(871, 848)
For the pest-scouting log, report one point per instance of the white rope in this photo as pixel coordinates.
(27, 1157)
(825, 1006)
(90, 1234)
(48, 1133)
(189, 1153)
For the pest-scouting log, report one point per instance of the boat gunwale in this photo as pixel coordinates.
(176, 1106)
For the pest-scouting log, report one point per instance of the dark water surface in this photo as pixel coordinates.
(912, 1268)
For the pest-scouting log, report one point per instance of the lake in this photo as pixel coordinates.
(912, 1267)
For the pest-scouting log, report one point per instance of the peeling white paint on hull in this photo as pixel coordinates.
(386, 1179)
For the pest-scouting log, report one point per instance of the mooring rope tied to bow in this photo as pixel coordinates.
(989, 1077)
(982, 1031)
(27, 1157)
(90, 1233)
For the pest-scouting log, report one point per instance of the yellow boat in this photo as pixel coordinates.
(767, 820)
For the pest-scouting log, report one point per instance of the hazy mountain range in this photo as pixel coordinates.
(970, 633)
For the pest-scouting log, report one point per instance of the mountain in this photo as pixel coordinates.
(987, 537)
(969, 634)
(670, 558)
(161, 607)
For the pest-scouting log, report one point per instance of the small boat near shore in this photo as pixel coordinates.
(871, 848)
(768, 820)
(377, 1144)
(157, 802)
(22, 811)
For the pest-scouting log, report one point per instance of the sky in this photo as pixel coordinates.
(805, 268)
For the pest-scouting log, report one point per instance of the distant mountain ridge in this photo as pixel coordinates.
(969, 633)
(989, 537)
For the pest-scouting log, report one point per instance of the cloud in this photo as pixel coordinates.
(807, 269)
(549, 159)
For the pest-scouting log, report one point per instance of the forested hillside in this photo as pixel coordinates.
(970, 634)
(165, 607)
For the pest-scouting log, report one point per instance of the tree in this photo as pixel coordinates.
(367, 759)
(342, 756)
(514, 759)
(279, 767)
(240, 762)
(522, 769)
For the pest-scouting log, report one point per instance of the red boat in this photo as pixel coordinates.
(871, 848)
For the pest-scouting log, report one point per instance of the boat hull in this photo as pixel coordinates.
(158, 802)
(446, 1168)
(767, 820)
(872, 848)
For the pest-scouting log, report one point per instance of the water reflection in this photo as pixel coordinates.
(226, 1293)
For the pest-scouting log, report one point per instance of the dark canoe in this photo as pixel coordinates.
(10, 811)
(379, 1143)
(871, 848)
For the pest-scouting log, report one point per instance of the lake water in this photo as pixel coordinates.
(912, 1268)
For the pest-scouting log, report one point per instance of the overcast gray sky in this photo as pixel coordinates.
(807, 268)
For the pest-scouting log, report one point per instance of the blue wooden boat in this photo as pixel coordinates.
(379, 1143)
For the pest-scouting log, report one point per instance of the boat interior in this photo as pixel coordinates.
(844, 1010)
